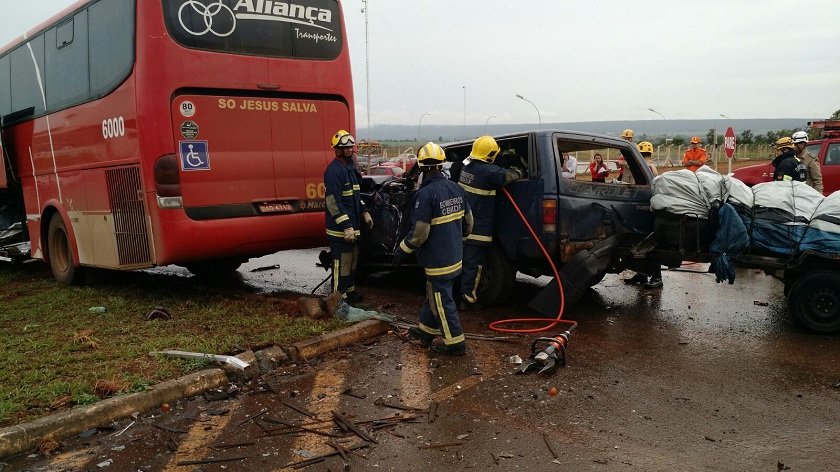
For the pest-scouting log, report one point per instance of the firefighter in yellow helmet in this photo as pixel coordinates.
(646, 150)
(481, 179)
(440, 220)
(345, 214)
(787, 165)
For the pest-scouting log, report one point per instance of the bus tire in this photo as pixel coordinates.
(60, 253)
(498, 278)
(215, 267)
(815, 301)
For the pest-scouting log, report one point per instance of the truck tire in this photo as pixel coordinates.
(815, 301)
(497, 280)
(215, 267)
(60, 254)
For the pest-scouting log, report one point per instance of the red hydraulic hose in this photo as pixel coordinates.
(496, 325)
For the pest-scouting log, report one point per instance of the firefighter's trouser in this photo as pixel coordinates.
(345, 256)
(439, 315)
(475, 257)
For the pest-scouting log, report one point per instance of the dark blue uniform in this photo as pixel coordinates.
(481, 181)
(440, 205)
(789, 167)
(344, 210)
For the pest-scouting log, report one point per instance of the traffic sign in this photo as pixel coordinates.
(729, 142)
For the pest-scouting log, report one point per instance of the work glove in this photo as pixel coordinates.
(368, 220)
(399, 256)
(350, 235)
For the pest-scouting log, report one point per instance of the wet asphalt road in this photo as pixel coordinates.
(697, 376)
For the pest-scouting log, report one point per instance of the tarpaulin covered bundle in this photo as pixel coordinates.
(684, 192)
(823, 232)
(781, 214)
(740, 196)
(731, 239)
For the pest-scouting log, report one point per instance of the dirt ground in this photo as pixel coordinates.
(697, 376)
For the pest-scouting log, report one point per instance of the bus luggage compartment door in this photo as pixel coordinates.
(247, 156)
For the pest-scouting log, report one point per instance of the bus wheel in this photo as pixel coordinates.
(60, 253)
(815, 301)
(215, 267)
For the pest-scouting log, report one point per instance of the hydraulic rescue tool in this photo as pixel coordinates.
(551, 353)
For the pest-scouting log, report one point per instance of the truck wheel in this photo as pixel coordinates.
(60, 253)
(498, 280)
(215, 267)
(815, 301)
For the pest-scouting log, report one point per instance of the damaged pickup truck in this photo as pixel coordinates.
(587, 227)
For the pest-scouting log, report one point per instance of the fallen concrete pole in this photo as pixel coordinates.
(27, 436)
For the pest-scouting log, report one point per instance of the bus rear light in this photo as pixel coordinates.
(549, 216)
(167, 176)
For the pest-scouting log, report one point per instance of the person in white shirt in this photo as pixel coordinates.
(569, 169)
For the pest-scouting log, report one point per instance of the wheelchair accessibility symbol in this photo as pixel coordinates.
(194, 155)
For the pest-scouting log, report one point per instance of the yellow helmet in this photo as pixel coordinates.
(645, 146)
(430, 154)
(342, 138)
(784, 143)
(628, 133)
(484, 149)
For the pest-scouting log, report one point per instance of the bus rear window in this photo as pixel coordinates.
(305, 29)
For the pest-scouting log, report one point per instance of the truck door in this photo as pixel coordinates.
(831, 168)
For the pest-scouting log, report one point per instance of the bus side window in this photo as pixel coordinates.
(66, 58)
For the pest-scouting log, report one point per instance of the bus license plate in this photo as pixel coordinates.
(276, 207)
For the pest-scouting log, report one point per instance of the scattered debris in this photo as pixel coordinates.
(212, 460)
(495, 459)
(781, 466)
(229, 360)
(158, 313)
(264, 268)
(218, 411)
(317, 459)
(300, 410)
(709, 438)
(169, 428)
(105, 463)
(118, 448)
(248, 419)
(124, 429)
(450, 444)
(550, 449)
(349, 391)
(506, 455)
(516, 360)
(85, 338)
(305, 454)
(222, 447)
(433, 411)
(461, 437)
(215, 395)
(97, 310)
(758, 303)
(88, 433)
(47, 447)
(837, 385)
(397, 406)
(341, 420)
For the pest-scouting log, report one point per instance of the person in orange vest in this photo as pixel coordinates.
(695, 156)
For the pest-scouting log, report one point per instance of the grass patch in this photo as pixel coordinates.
(57, 354)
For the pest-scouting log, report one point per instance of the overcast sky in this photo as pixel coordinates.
(577, 60)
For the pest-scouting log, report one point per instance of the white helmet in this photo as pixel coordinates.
(800, 137)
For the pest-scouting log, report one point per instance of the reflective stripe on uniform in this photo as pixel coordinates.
(438, 307)
(428, 330)
(477, 191)
(405, 247)
(478, 237)
(472, 297)
(347, 193)
(356, 187)
(341, 219)
(448, 218)
(337, 234)
(433, 271)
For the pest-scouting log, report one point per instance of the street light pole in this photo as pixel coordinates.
(420, 122)
(465, 110)
(733, 156)
(539, 118)
(668, 157)
(487, 121)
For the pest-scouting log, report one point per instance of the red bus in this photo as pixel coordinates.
(190, 132)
